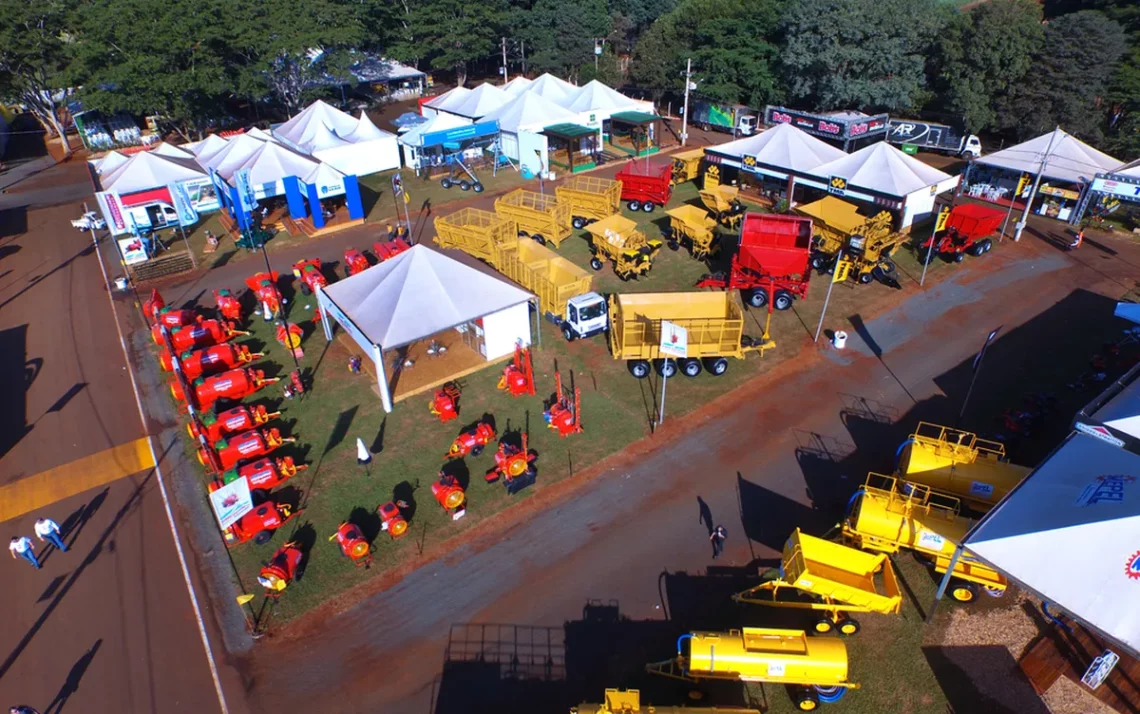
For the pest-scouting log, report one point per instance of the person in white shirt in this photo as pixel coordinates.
(22, 546)
(48, 530)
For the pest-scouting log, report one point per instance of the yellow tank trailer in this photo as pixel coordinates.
(887, 516)
(694, 227)
(958, 463)
(590, 198)
(868, 243)
(724, 203)
(539, 216)
(814, 667)
(687, 165)
(617, 239)
(628, 701)
(839, 579)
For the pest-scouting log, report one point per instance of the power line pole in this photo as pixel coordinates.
(505, 77)
(685, 112)
(522, 54)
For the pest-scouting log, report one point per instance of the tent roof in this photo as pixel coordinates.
(883, 168)
(110, 161)
(420, 293)
(323, 175)
(366, 131)
(1070, 159)
(322, 137)
(568, 130)
(273, 162)
(439, 122)
(595, 96)
(552, 87)
(260, 134)
(479, 101)
(517, 85)
(210, 145)
(165, 149)
(449, 98)
(146, 170)
(1080, 507)
(233, 154)
(1130, 169)
(783, 147)
(529, 110)
(313, 123)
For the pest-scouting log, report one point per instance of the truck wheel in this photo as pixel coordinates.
(806, 699)
(638, 368)
(465, 185)
(667, 367)
(758, 297)
(976, 250)
(595, 264)
(578, 222)
(263, 537)
(823, 625)
(445, 182)
(829, 695)
(994, 592)
(783, 300)
(567, 332)
(476, 450)
(648, 206)
(988, 245)
(477, 187)
(848, 626)
(959, 257)
(715, 366)
(634, 205)
(963, 591)
(691, 367)
(969, 155)
(538, 239)
(865, 278)
(674, 246)
(705, 127)
(524, 234)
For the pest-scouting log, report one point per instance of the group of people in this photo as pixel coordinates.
(47, 531)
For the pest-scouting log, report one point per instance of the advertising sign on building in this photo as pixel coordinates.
(132, 250)
(231, 502)
(674, 340)
(1129, 191)
(834, 127)
(112, 209)
(837, 186)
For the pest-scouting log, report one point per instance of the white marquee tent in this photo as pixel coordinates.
(208, 146)
(597, 97)
(517, 86)
(553, 88)
(445, 101)
(478, 102)
(421, 293)
(520, 122)
(779, 152)
(109, 162)
(147, 170)
(327, 133)
(1067, 159)
(177, 152)
(230, 156)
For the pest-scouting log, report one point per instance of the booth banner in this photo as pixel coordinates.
(231, 502)
(112, 209)
(187, 214)
(1130, 191)
(674, 340)
(346, 324)
(837, 186)
(132, 250)
(1047, 190)
(460, 133)
(834, 127)
(245, 191)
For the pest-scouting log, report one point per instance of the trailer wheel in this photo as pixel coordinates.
(674, 245)
(638, 368)
(977, 249)
(865, 278)
(848, 626)
(959, 257)
(988, 245)
(567, 332)
(818, 261)
(823, 625)
(690, 367)
(263, 537)
(716, 366)
(963, 591)
(477, 187)
(783, 300)
(648, 206)
(538, 239)
(476, 450)
(595, 263)
(634, 205)
(758, 297)
(666, 367)
(524, 234)
(464, 185)
(300, 573)
(806, 699)
(578, 222)
(445, 182)
(888, 266)
(829, 695)
(994, 592)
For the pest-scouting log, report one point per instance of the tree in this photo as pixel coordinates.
(454, 33)
(982, 54)
(34, 56)
(657, 62)
(1071, 71)
(607, 72)
(859, 54)
(630, 18)
(563, 33)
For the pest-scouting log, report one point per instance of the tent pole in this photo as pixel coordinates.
(322, 303)
(382, 379)
(538, 322)
(945, 582)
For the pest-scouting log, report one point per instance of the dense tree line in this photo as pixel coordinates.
(1013, 66)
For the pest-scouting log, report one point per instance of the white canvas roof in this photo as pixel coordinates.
(883, 168)
(321, 138)
(417, 294)
(366, 131)
(551, 87)
(478, 102)
(165, 149)
(1069, 159)
(273, 162)
(323, 175)
(529, 111)
(232, 155)
(783, 147)
(517, 86)
(260, 134)
(595, 96)
(210, 145)
(1071, 534)
(449, 98)
(110, 161)
(439, 122)
(1131, 169)
(146, 170)
(313, 122)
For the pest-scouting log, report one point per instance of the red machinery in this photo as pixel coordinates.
(449, 494)
(264, 286)
(646, 187)
(228, 305)
(177, 318)
(195, 337)
(280, 570)
(308, 272)
(354, 262)
(289, 336)
(245, 446)
(518, 375)
(153, 305)
(471, 441)
(388, 249)
(211, 360)
(353, 544)
(445, 403)
(234, 384)
(258, 525)
(392, 519)
(564, 415)
(772, 264)
(233, 421)
(262, 474)
(513, 464)
(968, 230)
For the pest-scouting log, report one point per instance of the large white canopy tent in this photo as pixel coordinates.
(553, 88)
(421, 293)
(520, 122)
(450, 98)
(270, 165)
(1056, 155)
(478, 102)
(231, 155)
(517, 86)
(147, 170)
(337, 138)
(782, 152)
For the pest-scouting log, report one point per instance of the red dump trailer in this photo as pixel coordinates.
(771, 266)
(969, 228)
(645, 187)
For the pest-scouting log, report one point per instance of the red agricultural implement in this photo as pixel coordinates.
(177, 318)
(211, 360)
(353, 544)
(252, 444)
(472, 441)
(771, 265)
(232, 421)
(282, 569)
(514, 464)
(234, 384)
(262, 474)
(969, 228)
(264, 286)
(392, 519)
(565, 412)
(308, 273)
(448, 493)
(518, 375)
(388, 249)
(228, 305)
(258, 525)
(206, 333)
(445, 403)
(645, 187)
(153, 305)
(354, 262)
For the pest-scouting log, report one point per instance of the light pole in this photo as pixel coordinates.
(541, 170)
(685, 112)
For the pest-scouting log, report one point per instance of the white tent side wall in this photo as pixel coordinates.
(330, 309)
(509, 144)
(528, 143)
(361, 159)
(503, 329)
(920, 204)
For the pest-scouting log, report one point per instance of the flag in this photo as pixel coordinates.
(982, 352)
(362, 455)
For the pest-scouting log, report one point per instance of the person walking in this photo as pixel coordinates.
(718, 537)
(21, 546)
(1078, 239)
(22, 710)
(48, 530)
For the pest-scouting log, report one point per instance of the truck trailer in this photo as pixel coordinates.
(732, 119)
(934, 137)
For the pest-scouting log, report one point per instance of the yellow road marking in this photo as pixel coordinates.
(47, 487)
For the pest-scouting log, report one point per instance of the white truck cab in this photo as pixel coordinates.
(586, 315)
(747, 125)
(972, 148)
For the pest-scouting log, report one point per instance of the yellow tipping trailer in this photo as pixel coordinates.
(714, 322)
(815, 667)
(617, 239)
(724, 203)
(687, 165)
(958, 463)
(539, 216)
(692, 225)
(868, 243)
(494, 240)
(887, 517)
(841, 580)
(628, 701)
(591, 198)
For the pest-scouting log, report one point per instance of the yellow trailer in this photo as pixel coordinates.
(957, 462)
(839, 579)
(714, 322)
(724, 203)
(693, 226)
(494, 240)
(887, 518)
(814, 667)
(868, 243)
(628, 701)
(590, 198)
(539, 216)
(687, 165)
(617, 239)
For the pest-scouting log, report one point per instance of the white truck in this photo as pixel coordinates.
(934, 137)
(586, 315)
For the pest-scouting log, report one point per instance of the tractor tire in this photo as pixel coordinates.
(758, 297)
(263, 537)
(595, 263)
(666, 367)
(829, 695)
(959, 257)
(638, 368)
(648, 206)
(446, 183)
(976, 250)
(691, 367)
(888, 267)
(783, 300)
(568, 333)
(299, 574)
(963, 591)
(994, 592)
(806, 699)
(716, 366)
(524, 234)
(634, 206)
(477, 187)
(305, 289)
(578, 222)
(538, 239)
(476, 450)
(865, 278)
(674, 245)
(465, 185)
(848, 626)
(822, 626)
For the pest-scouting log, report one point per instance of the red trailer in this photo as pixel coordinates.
(645, 187)
(968, 230)
(771, 264)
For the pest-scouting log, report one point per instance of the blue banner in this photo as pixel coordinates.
(460, 133)
(245, 191)
(187, 214)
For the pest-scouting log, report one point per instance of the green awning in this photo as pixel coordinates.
(569, 131)
(635, 117)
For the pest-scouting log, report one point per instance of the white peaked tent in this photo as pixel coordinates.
(232, 155)
(165, 149)
(212, 144)
(323, 138)
(1066, 158)
(366, 131)
(520, 122)
(312, 122)
(146, 170)
(421, 293)
(1130, 169)
(270, 165)
(334, 137)
(517, 86)
(445, 101)
(1070, 533)
(110, 161)
(329, 181)
(595, 96)
(478, 102)
(260, 134)
(551, 87)
(780, 151)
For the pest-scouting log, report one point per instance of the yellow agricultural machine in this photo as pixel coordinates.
(724, 203)
(590, 198)
(868, 243)
(815, 668)
(539, 216)
(628, 701)
(836, 579)
(887, 517)
(692, 226)
(617, 239)
(958, 463)
(687, 165)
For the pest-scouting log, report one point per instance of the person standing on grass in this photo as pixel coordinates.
(21, 546)
(48, 530)
(718, 537)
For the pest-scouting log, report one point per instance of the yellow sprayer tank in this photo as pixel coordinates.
(539, 216)
(760, 654)
(591, 198)
(958, 463)
(628, 701)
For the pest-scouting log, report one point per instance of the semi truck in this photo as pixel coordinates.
(730, 118)
(934, 137)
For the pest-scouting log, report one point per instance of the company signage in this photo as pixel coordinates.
(460, 133)
(837, 186)
(112, 209)
(1124, 189)
(231, 502)
(674, 340)
(187, 214)
(831, 127)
